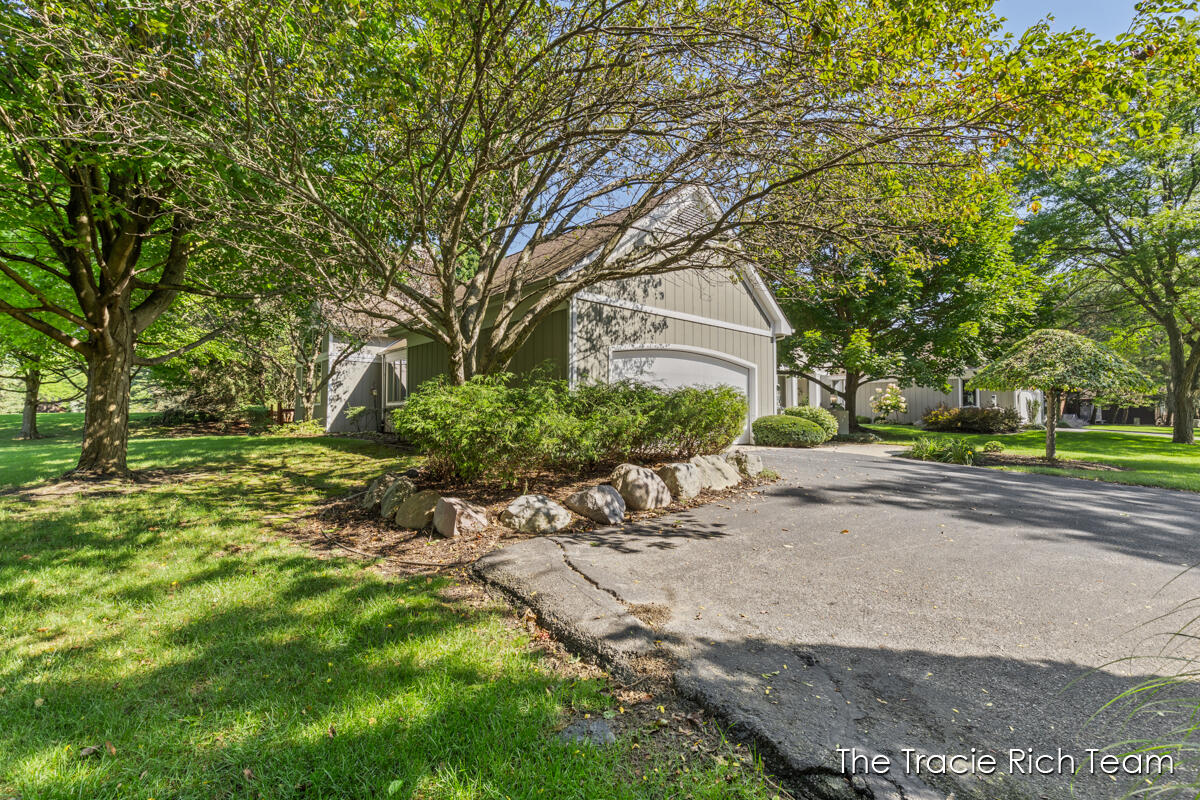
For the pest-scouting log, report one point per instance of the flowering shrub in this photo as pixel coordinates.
(889, 400)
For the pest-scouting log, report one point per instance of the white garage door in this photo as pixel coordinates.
(671, 368)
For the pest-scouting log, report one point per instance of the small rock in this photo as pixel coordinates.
(452, 516)
(640, 487)
(597, 732)
(716, 472)
(601, 503)
(400, 490)
(535, 513)
(748, 463)
(682, 479)
(417, 511)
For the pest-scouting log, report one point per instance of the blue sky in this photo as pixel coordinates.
(1104, 18)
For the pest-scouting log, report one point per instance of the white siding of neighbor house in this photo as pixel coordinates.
(922, 399)
(696, 310)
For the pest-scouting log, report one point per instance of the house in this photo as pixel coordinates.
(705, 325)
(1028, 403)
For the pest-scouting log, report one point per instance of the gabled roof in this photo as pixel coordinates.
(676, 211)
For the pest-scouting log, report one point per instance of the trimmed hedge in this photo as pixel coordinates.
(784, 430)
(502, 426)
(823, 419)
(969, 419)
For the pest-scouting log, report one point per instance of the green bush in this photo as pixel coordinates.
(501, 426)
(949, 451)
(969, 419)
(858, 437)
(818, 416)
(787, 430)
(993, 446)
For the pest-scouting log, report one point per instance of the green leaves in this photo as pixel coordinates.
(1061, 361)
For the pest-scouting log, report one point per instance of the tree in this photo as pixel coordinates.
(31, 360)
(946, 298)
(1131, 226)
(94, 199)
(1056, 362)
(410, 149)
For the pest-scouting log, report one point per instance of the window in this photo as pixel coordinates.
(395, 376)
(970, 397)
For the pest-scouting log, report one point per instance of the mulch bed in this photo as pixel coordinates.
(1004, 459)
(340, 527)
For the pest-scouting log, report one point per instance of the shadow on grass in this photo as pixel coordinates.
(261, 672)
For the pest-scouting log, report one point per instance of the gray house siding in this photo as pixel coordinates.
(601, 328)
(355, 384)
(548, 343)
(714, 293)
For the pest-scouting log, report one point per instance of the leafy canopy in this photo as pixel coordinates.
(1060, 361)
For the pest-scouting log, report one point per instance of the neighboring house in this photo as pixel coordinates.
(708, 325)
(798, 391)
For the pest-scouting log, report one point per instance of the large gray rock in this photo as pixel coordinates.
(716, 472)
(417, 511)
(682, 479)
(601, 503)
(640, 487)
(376, 489)
(453, 517)
(747, 462)
(400, 490)
(535, 513)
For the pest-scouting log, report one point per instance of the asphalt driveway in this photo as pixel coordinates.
(866, 605)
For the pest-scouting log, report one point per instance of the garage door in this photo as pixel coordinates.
(671, 368)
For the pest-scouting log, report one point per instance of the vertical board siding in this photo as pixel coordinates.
(599, 328)
(715, 293)
(548, 344)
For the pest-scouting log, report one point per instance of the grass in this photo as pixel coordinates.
(1144, 460)
(220, 660)
(1164, 429)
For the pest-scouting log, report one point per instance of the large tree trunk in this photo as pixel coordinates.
(1183, 412)
(106, 418)
(850, 395)
(33, 385)
(1053, 403)
(1180, 405)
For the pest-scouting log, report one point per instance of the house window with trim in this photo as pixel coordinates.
(395, 378)
(970, 397)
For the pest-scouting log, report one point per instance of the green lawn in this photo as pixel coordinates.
(222, 661)
(1146, 460)
(1132, 428)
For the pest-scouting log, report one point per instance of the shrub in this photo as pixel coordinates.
(501, 426)
(863, 419)
(993, 447)
(889, 400)
(823, 419)
(949, 451)
(309, 427)
(257, 417)
(858, 437)
(787, 430)
(972, 420)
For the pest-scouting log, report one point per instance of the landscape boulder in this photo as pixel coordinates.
(535, 513)
(400, 490)
(416, 512)
(716, 472)
(640, 487)
(682, 479)
(453, 517)
(602, 504)
(748, 463)
(376, 489)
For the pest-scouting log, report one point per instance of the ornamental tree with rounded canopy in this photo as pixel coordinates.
(1055, 362)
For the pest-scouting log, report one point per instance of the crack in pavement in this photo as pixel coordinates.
(571, 565)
